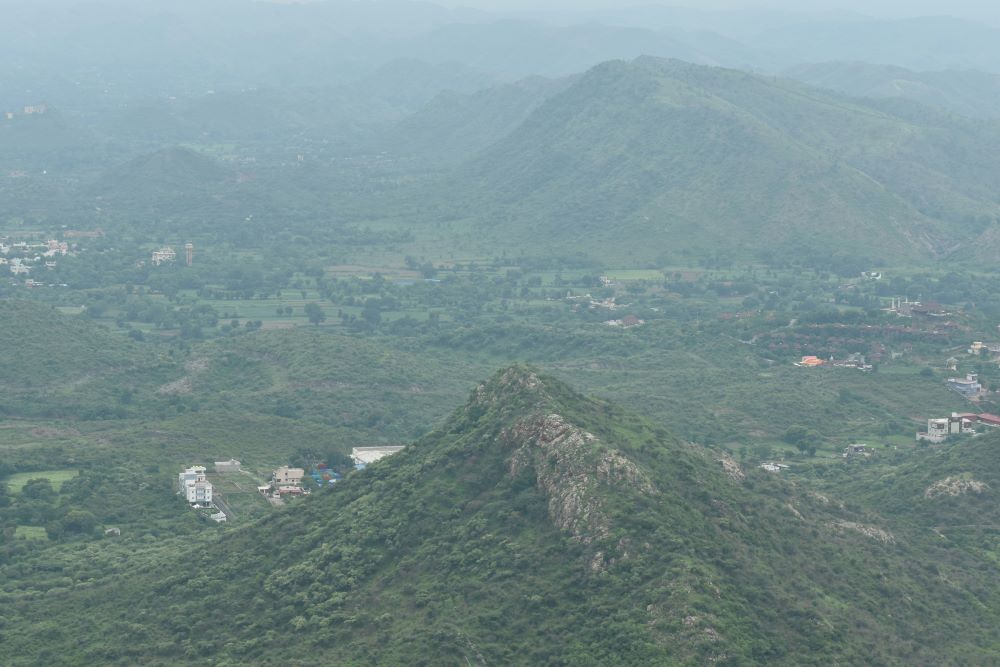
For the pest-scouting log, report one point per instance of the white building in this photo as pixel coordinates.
(195, 486)
(162, 255)
(362, 456)
(939, 429)
(199, 493)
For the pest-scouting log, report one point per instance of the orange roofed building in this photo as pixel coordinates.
(810, 362)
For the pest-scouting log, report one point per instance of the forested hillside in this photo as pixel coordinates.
(696, 161)
(539, 526)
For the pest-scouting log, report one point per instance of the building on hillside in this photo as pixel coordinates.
(232, 465)
(39, 109)
(986, 419)
(199, 493)
(968, 387)
(195, 486)
(165, 254)
(939, 429)
(773, 467)
(855, 360)
(853, 451)
(952, 363)
(190, 476)
(363, 456)
(285, 476)
(218, 517)
(810, 362)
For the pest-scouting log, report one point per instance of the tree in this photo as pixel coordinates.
(315, 313)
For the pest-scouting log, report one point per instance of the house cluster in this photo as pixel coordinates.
(22, 257)
(905, 308)
(964, 423)
(771, 466)
(195, 487)
(856, 360)
(29, 110)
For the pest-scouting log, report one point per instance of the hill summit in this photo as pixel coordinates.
(535, 526)
(659, 159)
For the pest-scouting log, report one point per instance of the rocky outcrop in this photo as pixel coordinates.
(570, 466)
(872, 532)
(955, 486)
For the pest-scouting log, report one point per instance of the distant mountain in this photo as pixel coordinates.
(538, 526)
(175, 182)
(344, 114)
(522, 48)
(455, 126)
(655, 159)
(966, 92)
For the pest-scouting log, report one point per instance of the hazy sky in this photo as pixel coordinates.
(894, 8)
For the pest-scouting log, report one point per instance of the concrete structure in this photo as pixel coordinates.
(363, 456)
(232, 465)
(852, 451)
(165, 254)
(285, 476)
(939, 429)
(773, 467)
(968, 387)
(190, 476)
(196, 488)
(218, 517)
(189, 253)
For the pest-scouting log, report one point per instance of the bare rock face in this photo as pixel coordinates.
(955, 486)
(570, 466)
(732, 468)
(873, 532)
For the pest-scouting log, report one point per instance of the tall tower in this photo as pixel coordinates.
(189, 253)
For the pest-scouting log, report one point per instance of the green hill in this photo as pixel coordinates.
(659, 159)
(534, 527)
(54, 364)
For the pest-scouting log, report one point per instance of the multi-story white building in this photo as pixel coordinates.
(195, 486)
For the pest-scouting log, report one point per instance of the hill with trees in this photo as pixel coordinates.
(662, 159)
(536, 526)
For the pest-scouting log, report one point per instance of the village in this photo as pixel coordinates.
(195, 483)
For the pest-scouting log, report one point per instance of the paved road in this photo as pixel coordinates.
(224, 507)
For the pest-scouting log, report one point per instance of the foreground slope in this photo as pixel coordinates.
(534, 527)
(658, 159)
